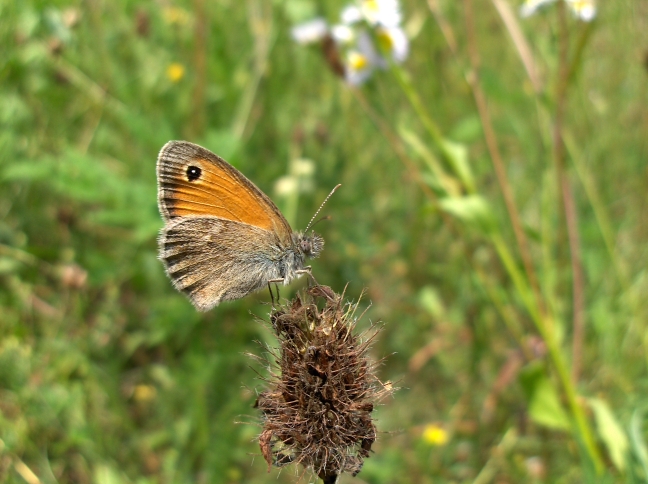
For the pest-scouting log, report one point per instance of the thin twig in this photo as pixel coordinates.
(571, 220)
(444, 25)
(519, 41)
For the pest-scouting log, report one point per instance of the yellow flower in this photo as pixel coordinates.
(175, 72)
(435, 435)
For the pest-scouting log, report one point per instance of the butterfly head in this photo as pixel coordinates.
(309, 244)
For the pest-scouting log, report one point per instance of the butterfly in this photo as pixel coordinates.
(223, 238)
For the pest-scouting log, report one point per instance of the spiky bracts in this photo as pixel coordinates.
(317, 411)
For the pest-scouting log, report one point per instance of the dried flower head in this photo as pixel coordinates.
(323, 388)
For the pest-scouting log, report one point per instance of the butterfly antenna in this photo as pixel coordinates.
(310, 224)
(325, 217)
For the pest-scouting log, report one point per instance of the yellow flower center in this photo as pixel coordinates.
(385, 41)
(357, 61)
(371, 5)
(579, 5)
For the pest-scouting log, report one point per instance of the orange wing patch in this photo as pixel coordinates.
(195, 182)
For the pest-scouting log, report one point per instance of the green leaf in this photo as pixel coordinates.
(544, 404)
(104, 474)
(26, 170)
(468, 129)
(431, 302)
(447, 183)
(471, 209)
(637, 439)
(545, 408)
(299, 10)
(8, 265)
(610, 432)
(457, 155)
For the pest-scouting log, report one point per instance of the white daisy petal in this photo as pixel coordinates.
(367, 48)
(381, 12)
(530, 7)
(342, 34)
(350, 15)
(310, 32)
(584, 10)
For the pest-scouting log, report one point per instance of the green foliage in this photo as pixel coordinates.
(108, 375)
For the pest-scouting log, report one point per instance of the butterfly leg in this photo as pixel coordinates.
(308, 270)
(276, 282)
(272, 299)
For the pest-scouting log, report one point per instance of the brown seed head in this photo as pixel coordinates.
(317, 411)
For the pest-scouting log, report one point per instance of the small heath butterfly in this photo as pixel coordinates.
(223, 238)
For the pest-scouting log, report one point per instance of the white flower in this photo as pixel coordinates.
(342, 34)
(363, 25)
(302, 168)
(530, 7)
(351, 14)
(381, 12)
(358, 68)
(584, 10)
(286, 186)
(360, 62)
(393, 41)
(310, 32)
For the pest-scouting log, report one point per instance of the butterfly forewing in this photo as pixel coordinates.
(193, 182)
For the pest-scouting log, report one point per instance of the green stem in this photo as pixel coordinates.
(546, 330)
(430, 125)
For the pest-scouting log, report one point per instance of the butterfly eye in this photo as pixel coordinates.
(193, 173)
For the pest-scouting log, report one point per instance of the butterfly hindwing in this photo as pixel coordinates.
(213, 260)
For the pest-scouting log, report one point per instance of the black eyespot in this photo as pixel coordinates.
(193, 173)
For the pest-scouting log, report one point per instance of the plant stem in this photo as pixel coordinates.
(541, 319)
(496, 157)
(568, 203)
(198, 118)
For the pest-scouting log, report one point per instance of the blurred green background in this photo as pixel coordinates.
(109, 376)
